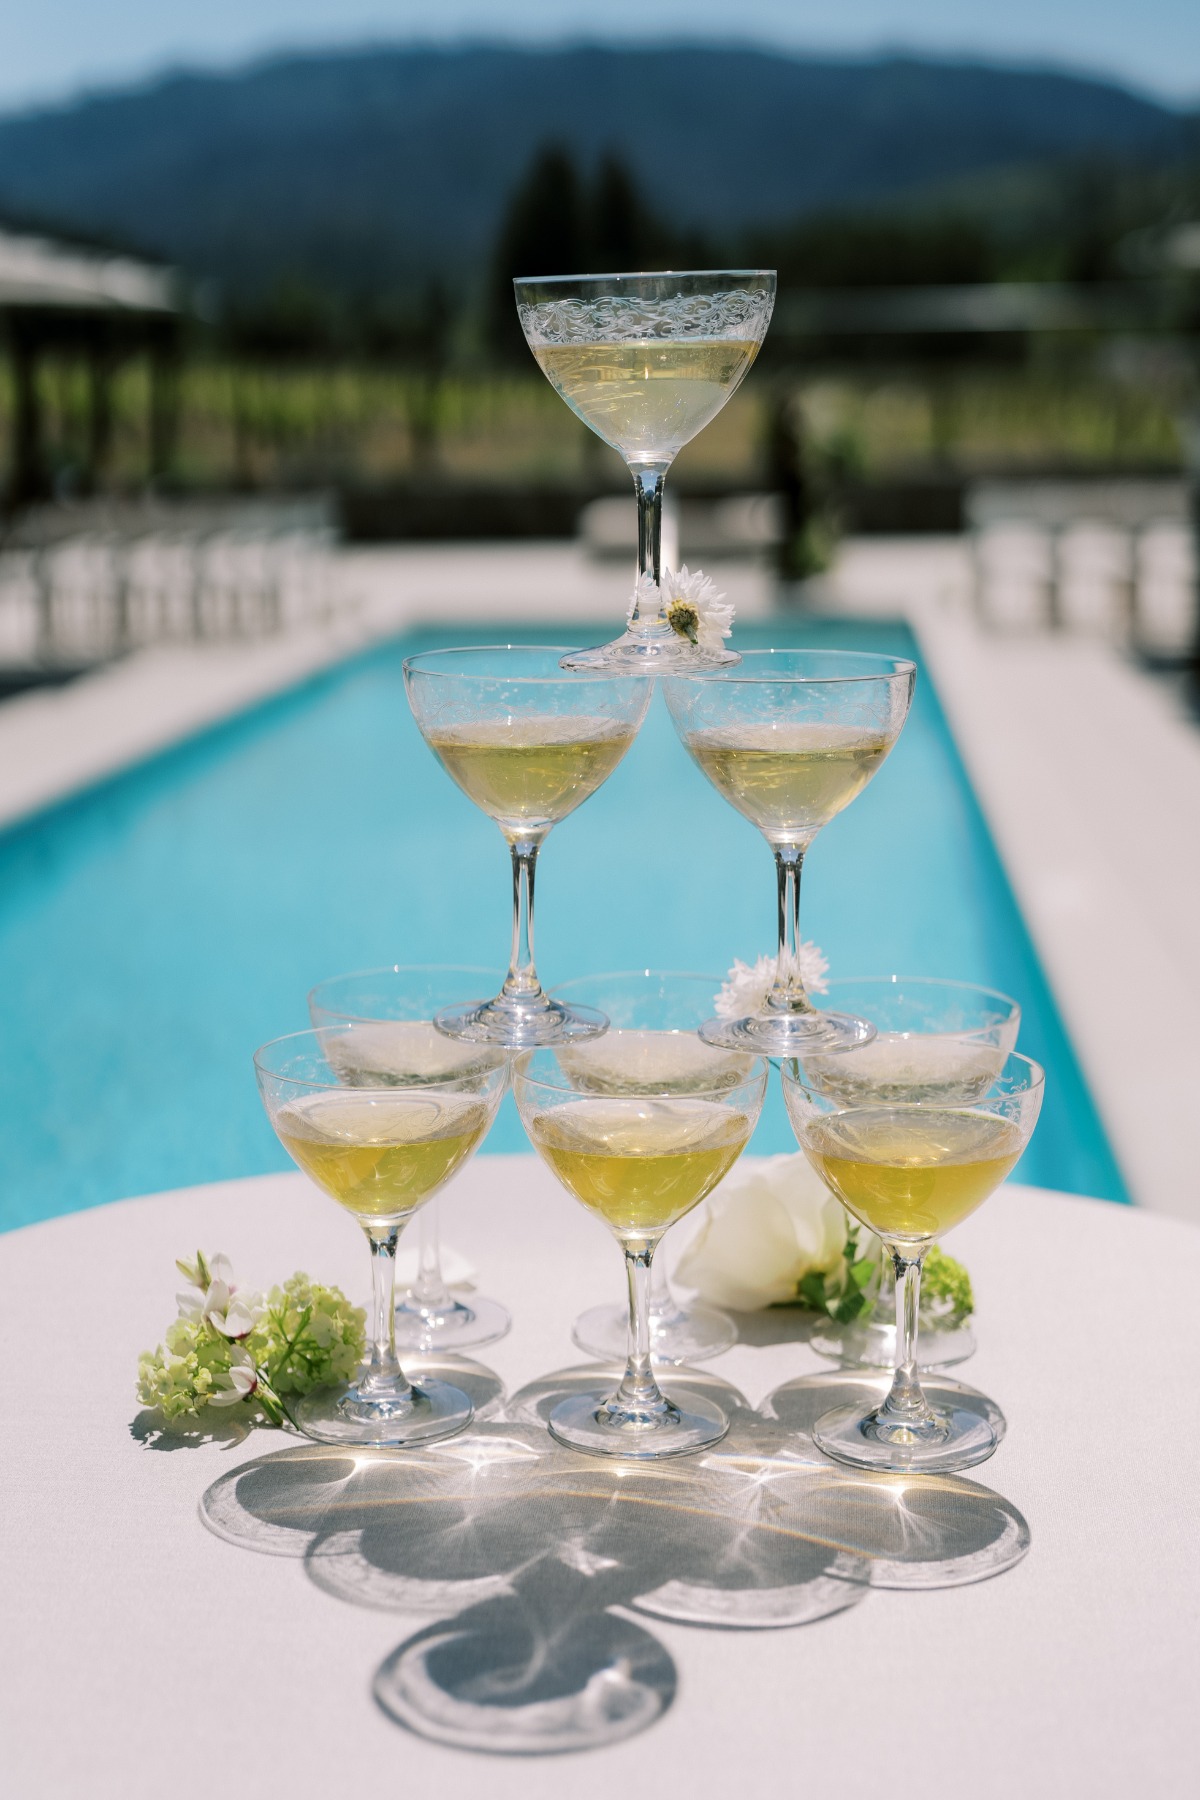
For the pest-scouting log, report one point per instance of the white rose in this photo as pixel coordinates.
(769, 1224)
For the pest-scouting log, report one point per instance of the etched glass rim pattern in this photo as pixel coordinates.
(278, 1061)
(441, 664)
(756, 1074)
(944, 982)
(725, 275)
(885, 668)
(706, 304)
(1019, 1079)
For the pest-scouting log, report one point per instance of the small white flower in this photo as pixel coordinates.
(214, 1297)
(691, 603)
(240, 1382)
(695, 609)
(747, 985)
(233, 1314)
(771, 1223)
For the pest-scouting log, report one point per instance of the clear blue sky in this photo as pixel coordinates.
(53, 48)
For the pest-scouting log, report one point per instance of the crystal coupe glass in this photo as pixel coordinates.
(790, 738)
(647, 361)
(398, 1040)
(380, 1151)
(948, 1037)
(639, 1159)
(653, 1019)
(528, 744)
(911, 1164)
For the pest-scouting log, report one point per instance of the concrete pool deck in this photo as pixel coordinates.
(1087, 772)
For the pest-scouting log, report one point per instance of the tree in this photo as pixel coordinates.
(543, 232)
(622, 232)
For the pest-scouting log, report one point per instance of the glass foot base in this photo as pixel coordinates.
(585, 1423)
(873, 1346)
(685, 1335)
(346, 1416)
(451, 1327)
(520, 1026)
(655, 652)
(965, 1429)
(788, 1034)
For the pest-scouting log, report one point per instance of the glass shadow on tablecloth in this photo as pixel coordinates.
(931, 1531)
(506, 1555)
(482, 1387)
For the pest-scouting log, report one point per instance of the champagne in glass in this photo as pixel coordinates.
(938, 1042)
(396, 1045)
(911, 1180)
(911, 1170)
(380, 1152)
(381, 1156)
(652, 1043)
(528, 744)
(788, 779)
(639, 1161)
(647, 361)
(790, 738)
(650, 397)
(640, 1164)
(533, 772)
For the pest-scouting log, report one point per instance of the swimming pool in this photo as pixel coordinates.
(156, 928)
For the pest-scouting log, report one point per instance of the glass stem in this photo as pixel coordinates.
(662, 1301)
(639, 1393)
(787, 993)
(429, 1291)
(521, 981)
(906, 1404)
(648, 484)
(383, 1374)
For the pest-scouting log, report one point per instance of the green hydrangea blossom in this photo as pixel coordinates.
(304, 1336)
(309, 1336)
(945, 1290)
(177, 1379)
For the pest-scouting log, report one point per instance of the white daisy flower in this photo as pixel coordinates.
(695, 609)
(692, 605)
(744, 994)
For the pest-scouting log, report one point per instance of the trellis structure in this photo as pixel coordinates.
(102, 306)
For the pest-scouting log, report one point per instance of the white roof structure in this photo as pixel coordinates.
(42, 272)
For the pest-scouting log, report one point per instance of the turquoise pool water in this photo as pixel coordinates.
(155, 929)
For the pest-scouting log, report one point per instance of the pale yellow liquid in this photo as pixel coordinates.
(912, 1175)
(789, 779)
(647, 399)
(381, 1157)
(640, 1164)
(531, 771)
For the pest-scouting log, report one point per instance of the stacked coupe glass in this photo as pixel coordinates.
(907, 1097)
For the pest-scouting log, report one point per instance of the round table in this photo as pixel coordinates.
(146, 1655)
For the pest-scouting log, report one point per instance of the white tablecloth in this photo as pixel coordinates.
(144, 1655)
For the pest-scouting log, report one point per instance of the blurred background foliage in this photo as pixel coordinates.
(347, 353)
